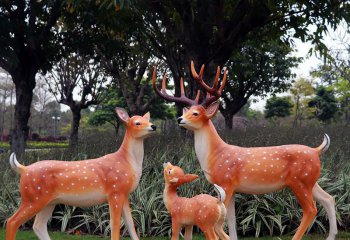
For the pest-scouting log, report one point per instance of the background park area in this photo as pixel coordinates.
(66, 64)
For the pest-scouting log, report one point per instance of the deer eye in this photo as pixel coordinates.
(138, 123)
(195, 114)
(169, 172)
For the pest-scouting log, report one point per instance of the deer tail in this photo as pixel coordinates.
(15, 165)
(325, 144)
(221, 192)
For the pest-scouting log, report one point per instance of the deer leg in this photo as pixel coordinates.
(115, 202)
(231, 217)
(305, 199)
(210, 234)
(176, 227)
(129, 222)
(40, 223)
(25, 212)
(327, 201)
(188, 232)
(219, 225)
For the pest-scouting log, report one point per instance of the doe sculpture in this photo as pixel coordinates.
(256, 170)
(110, 178)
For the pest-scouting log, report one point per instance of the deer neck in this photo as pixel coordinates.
(206, 142)
(134, 151)
(169, 196)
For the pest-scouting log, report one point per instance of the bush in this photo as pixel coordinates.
(270, 214)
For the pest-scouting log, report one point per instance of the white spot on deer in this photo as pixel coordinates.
(39, 188)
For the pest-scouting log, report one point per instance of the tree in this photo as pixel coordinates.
(335, 73)
(301, 91)
(260, 67)
(6, 91)
(113, 97)
(30, 42)
(325, 104)
(77, 82)
(42, 97)
(278, 107)
(209, 32)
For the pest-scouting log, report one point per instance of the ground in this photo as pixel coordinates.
(29, 235)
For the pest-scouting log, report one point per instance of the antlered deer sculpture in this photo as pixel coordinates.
(110, 178)
(255, 170)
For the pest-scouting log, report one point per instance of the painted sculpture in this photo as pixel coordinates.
(255, 170)
(204, 211)
(110, 178)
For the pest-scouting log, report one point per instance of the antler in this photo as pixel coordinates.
(163, 94)
(213, 93)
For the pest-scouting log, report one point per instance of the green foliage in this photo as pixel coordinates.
(105, 111)
(38, 145)
(278, 107)
(325, 104)
(302, 90)
(262, 215)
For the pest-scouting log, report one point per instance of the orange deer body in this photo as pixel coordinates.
(110, 178)
(252, 170)
(203, 210)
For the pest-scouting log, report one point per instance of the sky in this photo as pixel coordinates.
(309, 63)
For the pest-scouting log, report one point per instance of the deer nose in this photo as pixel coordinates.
(179, 120)
(154, 127)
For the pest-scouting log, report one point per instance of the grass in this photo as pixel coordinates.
(264, 215)
(38, 145)
(29, 235)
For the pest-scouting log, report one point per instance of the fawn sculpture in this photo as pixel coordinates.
(255, 170)
(203, 210)
(110, 178)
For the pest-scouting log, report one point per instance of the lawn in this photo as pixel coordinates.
(29, 235)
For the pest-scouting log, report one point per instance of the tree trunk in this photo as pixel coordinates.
(76, 116)
(25, 83)
(228, 121)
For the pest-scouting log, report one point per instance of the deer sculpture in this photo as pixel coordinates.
(110, 178)
(256, 170)
(203, 210)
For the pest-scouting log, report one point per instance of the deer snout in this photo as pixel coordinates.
(179, 120)
(154, 127)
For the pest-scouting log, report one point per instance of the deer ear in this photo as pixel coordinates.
(122, 115)
(184, 110)
(147, 116)
(212, 109)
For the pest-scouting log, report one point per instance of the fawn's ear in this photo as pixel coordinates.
(188, 178)
(147, 116)
(212, 109)
(122, 115)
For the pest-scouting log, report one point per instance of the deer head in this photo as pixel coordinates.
(175, 176)
(137, 126)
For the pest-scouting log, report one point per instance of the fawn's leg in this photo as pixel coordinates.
(210, 234)
(176, 227)
(40, 223)
(219, 225)
(188, 232)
